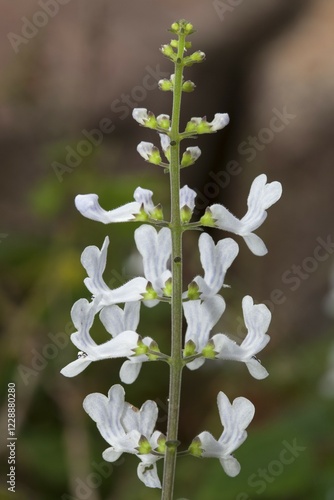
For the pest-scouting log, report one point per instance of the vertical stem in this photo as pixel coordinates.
(176, 306)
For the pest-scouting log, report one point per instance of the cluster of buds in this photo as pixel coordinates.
(125, 428)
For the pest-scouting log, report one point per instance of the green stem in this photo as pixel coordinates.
(176, 362)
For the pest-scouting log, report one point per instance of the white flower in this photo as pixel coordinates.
(201, 317)
(140, 115)
(194, 152)
(88, 205)
(257, 319)
(125, 427)
(116, 321)
(235, 418)
(220, 121)
(187, 198)
(215, 260)
(155, 248)
(94, 261)
(83, 314)
(145, 149)
(261, 197)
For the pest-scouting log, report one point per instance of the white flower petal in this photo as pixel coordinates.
(256, 369)
(89, 207)
(129, 371)
(187, 197)
(257, 319)
(215, 260)
(235, 418)
(230, 465)
(144, 197)
(110, 455)
(75, 367)
(155, 248)
(261, 197)
(145, 149)
(220, 121)
(195, 152)
(117, 320)
(147, 473)
(201, 317)
(165, 141)
(140, 115)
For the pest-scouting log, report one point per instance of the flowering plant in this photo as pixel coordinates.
(159, 242)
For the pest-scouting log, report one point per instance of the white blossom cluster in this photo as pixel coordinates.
(124, 427)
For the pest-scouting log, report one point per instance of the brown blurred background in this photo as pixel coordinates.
(71, 72)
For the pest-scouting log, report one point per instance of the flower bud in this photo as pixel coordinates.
(193, 291)
(144, 446)
(186, 214)
(168, 290)
(168, 51)
(144, 117)
(207, 219)
(161, 448)
(189, 349)
(195, 448)
(150, 294)
(195, 57)
(163, 122)
(190, 156)
(209, 350)
(141, 348)
(149, 152)
(188, 86)
(165, 85)
(157, 213)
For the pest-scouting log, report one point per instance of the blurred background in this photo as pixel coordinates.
(71, 73)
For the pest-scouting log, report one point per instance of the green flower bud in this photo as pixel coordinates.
(141, 348)
(165, 85)
(157, 213)
(193, 291)
(150, 294)
(196, 57)
(161, 448)
(144, 446)
(168, 51)
(153, 347)
(168, 290)
(163, 121)
(189, 349)
(195, 448)
(207, 219)
(209, 350)
(142, 216)
(188, 86)
(186, 214)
